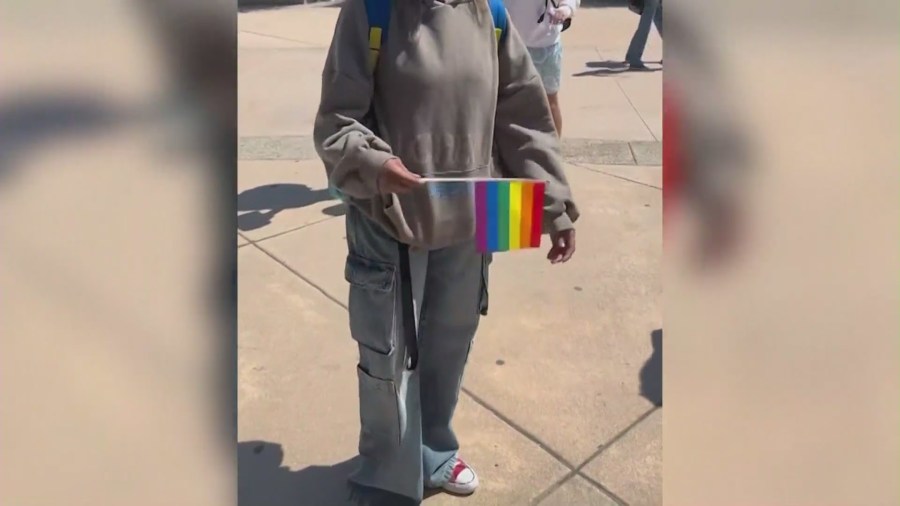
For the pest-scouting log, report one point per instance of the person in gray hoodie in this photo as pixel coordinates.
(447, 98)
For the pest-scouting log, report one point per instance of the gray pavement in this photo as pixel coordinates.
(559, 399)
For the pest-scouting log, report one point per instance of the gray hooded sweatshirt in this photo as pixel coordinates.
(451, 101)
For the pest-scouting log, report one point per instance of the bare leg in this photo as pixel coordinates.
(556, 112)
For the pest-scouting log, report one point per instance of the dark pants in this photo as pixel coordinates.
(652, 15)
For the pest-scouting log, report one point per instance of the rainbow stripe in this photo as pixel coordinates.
(508, 214)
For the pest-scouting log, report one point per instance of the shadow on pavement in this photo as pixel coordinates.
(264, 481)
(611, 67)
(262, 203)
(31, 121)
(651, 373)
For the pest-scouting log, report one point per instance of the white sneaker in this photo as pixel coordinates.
(463, 480)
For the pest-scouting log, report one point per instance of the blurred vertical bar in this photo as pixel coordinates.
(117, 264)
(782, 372)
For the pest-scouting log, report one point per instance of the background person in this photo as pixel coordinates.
(540, 23)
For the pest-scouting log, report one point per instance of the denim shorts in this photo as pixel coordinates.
(548, 62)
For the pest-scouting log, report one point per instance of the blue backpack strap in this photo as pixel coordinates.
(379, 14)
(498, 12)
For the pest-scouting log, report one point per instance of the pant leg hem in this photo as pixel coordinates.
(443, 474)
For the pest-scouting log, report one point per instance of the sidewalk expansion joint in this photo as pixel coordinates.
(544, 446)
(623, 178)
(306, 45)
(618, 500)
(577, 470)
(301, 276)
(518, 428)
(285, 232)
(639, 115)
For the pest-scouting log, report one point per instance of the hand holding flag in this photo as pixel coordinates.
(563, 246)
(396, 178)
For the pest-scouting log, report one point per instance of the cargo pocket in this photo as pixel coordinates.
(379, 415)
(372, 304)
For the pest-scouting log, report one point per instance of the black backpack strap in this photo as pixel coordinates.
(410, 334)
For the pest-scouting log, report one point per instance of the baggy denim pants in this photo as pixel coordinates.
(406, 441)
(652, 14)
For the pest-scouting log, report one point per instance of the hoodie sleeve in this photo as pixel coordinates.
(352, 153)
(525, 134)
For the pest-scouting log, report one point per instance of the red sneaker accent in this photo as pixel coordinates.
(458, 468)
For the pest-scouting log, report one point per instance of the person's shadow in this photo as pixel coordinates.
(611, 67)
(651, 373)
(264, 481)
(259, 205)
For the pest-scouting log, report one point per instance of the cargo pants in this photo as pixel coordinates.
(406, 441)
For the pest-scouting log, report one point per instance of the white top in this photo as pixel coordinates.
(524, 14)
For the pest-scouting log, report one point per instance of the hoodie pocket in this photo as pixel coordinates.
(394, 212)
(372, 303)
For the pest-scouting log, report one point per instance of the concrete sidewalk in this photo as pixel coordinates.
(558, 404)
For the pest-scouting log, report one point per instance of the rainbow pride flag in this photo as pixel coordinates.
(508, 214)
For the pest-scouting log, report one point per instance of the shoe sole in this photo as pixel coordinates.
(468, 490)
